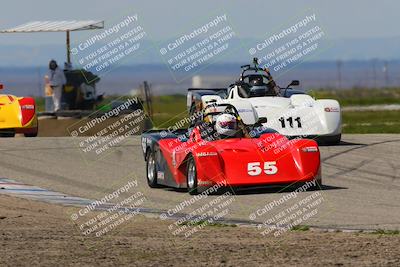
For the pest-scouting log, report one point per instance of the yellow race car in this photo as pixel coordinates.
(17, 115)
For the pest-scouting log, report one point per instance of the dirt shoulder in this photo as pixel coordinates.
(36, 233)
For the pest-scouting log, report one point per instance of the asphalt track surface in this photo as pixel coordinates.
(361, 178)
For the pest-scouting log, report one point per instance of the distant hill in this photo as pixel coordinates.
(345, 49)
(124, 79)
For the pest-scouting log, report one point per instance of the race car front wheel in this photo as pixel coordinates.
(192, 177)
(151, 170)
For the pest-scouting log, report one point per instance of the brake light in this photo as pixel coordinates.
(310, 149)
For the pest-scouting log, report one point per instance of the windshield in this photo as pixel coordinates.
(246, 91)
(289, 92)
(256, 85)
(258, 91)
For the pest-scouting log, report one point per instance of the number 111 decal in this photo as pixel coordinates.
(290, 120)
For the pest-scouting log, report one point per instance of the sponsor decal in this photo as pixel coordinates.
(206, 154)
(310, 149)
(160, 175)
(205, 183)
(331, 109)
(28, 107)
(245, 110)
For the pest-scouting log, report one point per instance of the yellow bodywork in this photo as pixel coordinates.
(10, 114)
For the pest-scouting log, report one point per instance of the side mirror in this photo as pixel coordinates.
(262, 120)
(1, 86)
(212, 101)
(294, 83)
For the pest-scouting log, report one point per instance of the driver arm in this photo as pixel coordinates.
(271, 82)
(243, 128)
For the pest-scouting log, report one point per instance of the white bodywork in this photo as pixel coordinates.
(295, 116)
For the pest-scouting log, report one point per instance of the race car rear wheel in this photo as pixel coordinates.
(192, 177)
(331, 140)
(30, 135)
(33, 134)
(151, 170)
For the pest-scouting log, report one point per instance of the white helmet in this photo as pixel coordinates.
(226, 124)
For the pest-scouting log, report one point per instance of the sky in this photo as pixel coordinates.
(355, 29)
(163, 19)
(347, 23)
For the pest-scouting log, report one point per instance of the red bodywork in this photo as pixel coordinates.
(269, 159)
(28, 112)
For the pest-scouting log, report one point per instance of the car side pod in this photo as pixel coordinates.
(27, 105)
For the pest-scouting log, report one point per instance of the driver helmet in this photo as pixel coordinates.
(226, 124)
(256, 80)
(257, 86)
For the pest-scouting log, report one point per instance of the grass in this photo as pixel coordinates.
(371, 121)
(360, 96)
(386, 232)
(303, 228)
(39, 103)
(206, 223)
(175, 104)
(168, 110)
(300, 228)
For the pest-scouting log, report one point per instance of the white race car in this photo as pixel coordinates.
(290, 112)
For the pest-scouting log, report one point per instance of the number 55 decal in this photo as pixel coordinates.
(254, 168)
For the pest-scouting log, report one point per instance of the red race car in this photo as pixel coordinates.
(207, 154)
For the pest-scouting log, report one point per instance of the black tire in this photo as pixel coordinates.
(191, 177)
(34, 134)
(318, 185)
(31, 134)
(7, 134)
(151, 170)
(332, 140)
